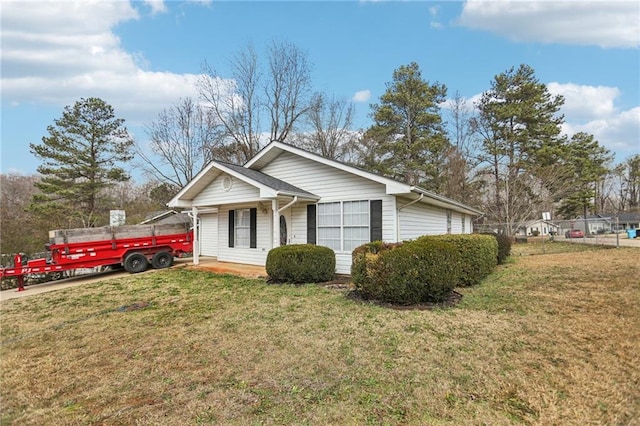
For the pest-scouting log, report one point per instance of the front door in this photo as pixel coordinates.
(283, 231)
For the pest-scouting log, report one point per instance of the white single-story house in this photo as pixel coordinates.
(286, 195)
(594, 224)
(538, 227)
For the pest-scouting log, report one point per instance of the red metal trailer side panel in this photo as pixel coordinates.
(90, 254)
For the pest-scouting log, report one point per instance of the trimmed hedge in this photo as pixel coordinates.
(504, 246)
(301, 263)
(406, 273)
(478, 255)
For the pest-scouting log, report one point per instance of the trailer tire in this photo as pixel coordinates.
(162, 259)
(136, 262)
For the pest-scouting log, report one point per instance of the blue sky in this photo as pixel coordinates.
(142, 56)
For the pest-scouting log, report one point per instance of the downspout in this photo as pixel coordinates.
(292, 202)
(417, 200)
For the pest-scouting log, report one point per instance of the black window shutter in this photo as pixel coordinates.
(253, 220)
(376, 220)
(232, 224)
(311, 224)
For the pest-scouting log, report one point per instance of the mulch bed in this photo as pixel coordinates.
(452, 300)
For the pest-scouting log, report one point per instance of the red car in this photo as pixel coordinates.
(574, 233)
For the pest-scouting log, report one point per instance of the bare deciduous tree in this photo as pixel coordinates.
(330, 133)
(279, 91)
(181, 144)
(459, 162)
(287, 88)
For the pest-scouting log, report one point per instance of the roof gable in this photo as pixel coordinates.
(269, 186)
(270, 152)
(275, 148)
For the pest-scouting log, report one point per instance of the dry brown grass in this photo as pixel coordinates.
(549, 339)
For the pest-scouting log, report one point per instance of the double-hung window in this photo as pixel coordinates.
(330, 225)
(343, 226)
(242, 228)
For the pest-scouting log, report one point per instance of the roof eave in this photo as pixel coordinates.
(455, 204)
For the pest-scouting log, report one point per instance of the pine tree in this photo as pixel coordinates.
(519, 125)
(82, 156)
(408, 138)
(588, 161)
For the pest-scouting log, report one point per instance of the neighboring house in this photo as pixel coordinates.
(624, 221)
(286, 195)
(538, 227)
(594, 224)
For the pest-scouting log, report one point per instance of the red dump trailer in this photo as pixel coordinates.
(135, 247)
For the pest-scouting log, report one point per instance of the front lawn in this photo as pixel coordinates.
(546, 339)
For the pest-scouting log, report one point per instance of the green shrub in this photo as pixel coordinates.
(406, 273)
(504, 246)
(478, 255)
(301, 263)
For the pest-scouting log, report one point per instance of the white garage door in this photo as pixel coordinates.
(209, 235)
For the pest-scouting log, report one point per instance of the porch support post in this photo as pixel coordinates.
(196, 233)
(276, 223)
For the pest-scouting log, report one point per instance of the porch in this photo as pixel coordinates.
(207, 263)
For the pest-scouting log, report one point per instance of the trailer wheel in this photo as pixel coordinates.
(136, 262)
(162, 259)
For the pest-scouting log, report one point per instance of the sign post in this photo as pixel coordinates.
(545, 217)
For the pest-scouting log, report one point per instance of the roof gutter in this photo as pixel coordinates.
(445, 200)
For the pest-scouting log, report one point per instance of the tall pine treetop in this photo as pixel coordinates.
(82, 156)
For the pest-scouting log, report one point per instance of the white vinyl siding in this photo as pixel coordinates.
(250, 256)
(209, 235)
(333, 185)
(298, 224)
(214, 194)
(421, 219)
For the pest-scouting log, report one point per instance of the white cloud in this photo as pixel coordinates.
(586, 102)
(362, 96)
(592, 109)
(157, 6)
(600, 23)
(620, 132)
(58, 52)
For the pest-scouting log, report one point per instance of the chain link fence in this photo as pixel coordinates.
(602, 230)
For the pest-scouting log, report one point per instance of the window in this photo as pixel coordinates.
(242, 228)
(448, 221)
(355, 224)
(463, 220)
(329, 225)
(343, 226)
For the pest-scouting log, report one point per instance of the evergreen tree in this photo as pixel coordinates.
(82, 156)
(632, 182)
(408, 138)
(588, 161)
(520, 131)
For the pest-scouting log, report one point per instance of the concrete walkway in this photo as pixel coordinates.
(210, 264)
(248, 271)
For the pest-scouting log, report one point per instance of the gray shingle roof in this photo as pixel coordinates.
(269, 181)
